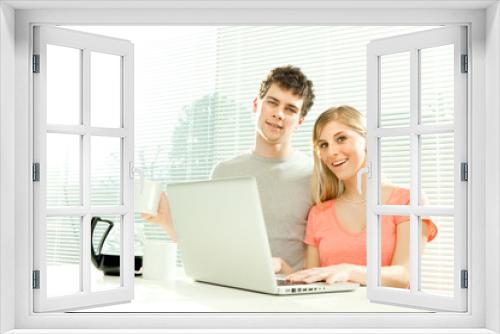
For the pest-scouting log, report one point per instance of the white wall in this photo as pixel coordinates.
(492, 64)
(6, 252)
(6, 167)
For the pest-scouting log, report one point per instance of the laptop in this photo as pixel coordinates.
(222, 237)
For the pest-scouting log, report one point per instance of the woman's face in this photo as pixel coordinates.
(341, 149)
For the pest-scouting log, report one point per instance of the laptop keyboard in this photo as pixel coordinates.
(282, 282)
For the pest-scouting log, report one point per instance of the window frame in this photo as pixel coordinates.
(86, 44)
(413, 44)
(18, 258)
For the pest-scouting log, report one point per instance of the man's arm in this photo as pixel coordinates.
(163, 217)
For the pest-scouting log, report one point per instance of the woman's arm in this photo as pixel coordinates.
(311, 257)
(398, 273)
(395, 275)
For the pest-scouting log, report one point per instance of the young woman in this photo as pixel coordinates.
(336, 227)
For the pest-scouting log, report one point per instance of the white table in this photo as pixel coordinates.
(185, 295)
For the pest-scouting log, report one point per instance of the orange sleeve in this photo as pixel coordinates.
(431, 227)
(402, 197)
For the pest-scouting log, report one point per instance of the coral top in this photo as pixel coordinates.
(336, 245)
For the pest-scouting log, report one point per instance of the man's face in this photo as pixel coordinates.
(278, 114)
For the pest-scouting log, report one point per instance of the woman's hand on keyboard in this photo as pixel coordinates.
(330, 274)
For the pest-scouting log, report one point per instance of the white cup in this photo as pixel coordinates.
(146, 196)
(160, 260)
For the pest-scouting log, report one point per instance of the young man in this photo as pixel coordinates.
(282, 174)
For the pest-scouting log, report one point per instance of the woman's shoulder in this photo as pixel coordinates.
(322, 207)
(395, 195)
(320, 213)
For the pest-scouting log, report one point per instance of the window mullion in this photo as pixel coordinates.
(419, 130)
(414, 171)
(127, 156)
(372, 218)
(81, 130)
(85, 183)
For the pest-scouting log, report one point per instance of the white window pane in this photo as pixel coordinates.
(63, 170)
(105, 90)
(395, 161)
(106, 243)
(63, 85)
(437, 264)
(105, 162)
(395, 90)
(437, 84)
(63, 255)
(437, 178)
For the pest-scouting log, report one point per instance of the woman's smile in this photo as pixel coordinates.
(339, 163)
(341, 149)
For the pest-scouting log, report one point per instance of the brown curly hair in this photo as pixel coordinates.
(290, 78)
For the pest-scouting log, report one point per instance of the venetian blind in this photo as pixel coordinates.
(194, 88)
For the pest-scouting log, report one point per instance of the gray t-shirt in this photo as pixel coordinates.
(285, 197)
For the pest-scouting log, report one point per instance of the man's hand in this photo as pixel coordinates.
(280, 266)
(276, 264)
(163, 216)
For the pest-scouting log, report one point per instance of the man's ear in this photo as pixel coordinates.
(301, 120)
(255, 104)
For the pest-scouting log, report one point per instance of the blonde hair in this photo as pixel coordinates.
(324, 184)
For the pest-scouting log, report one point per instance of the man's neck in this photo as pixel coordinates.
(268, 150)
